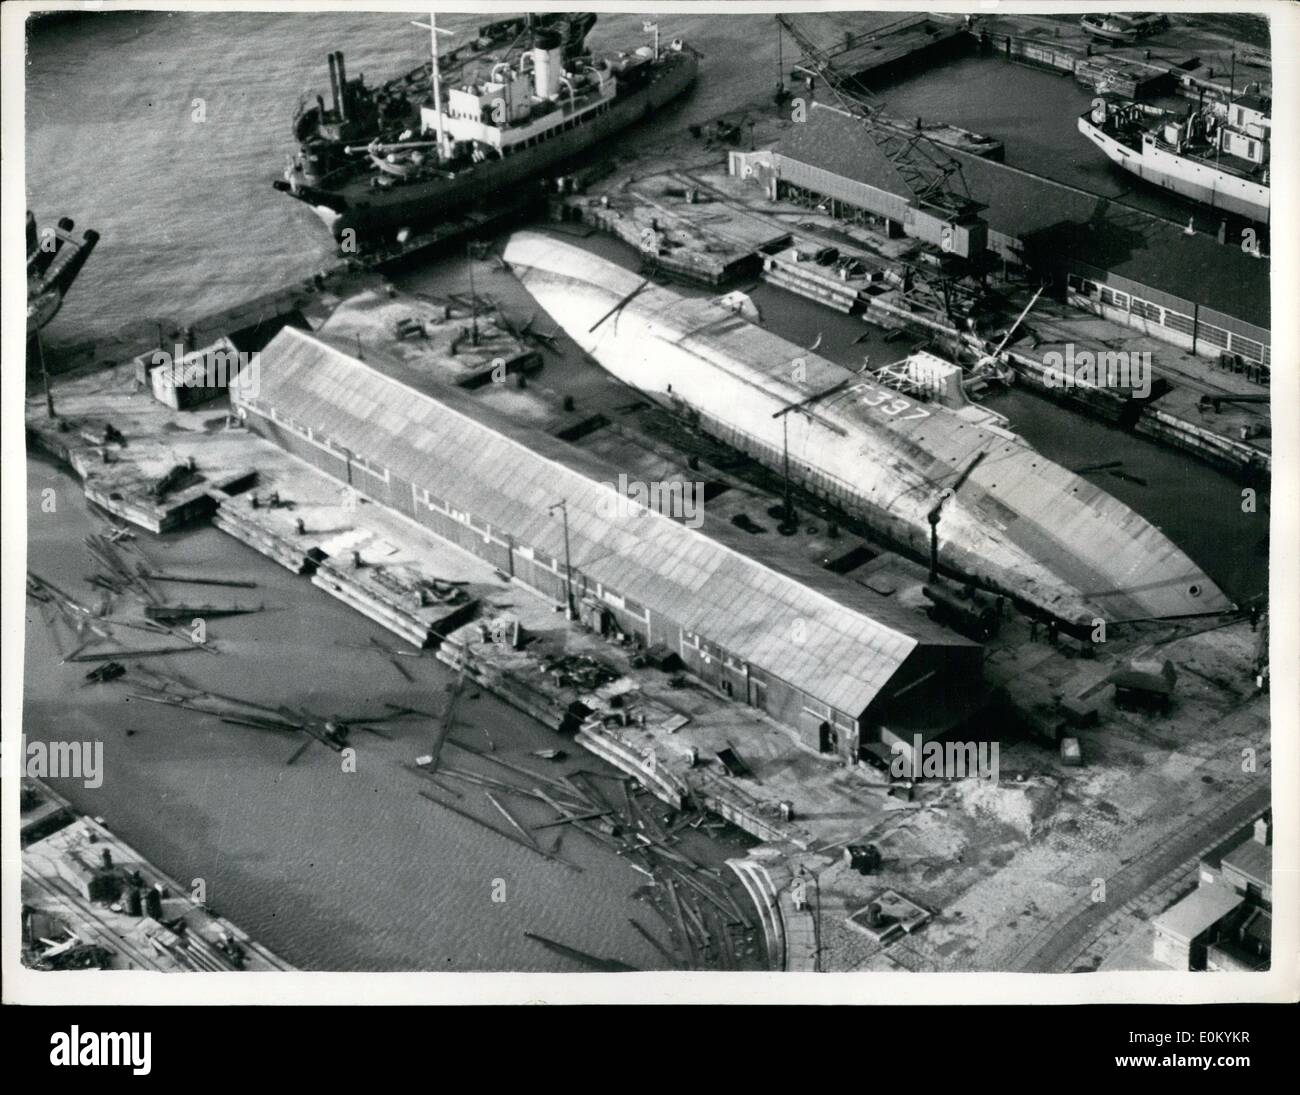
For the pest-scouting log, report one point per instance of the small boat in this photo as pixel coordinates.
(1111, 28)
(550, 754)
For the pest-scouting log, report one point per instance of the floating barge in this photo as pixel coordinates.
(91, 901)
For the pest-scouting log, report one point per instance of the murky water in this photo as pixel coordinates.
(358, 872)
(188, 218)
(1034, 112)
(332, 870)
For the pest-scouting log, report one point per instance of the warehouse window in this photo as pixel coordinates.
(1146, 310)
(1248, 347)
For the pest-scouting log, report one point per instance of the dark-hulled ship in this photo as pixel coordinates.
(479, 141)
(357, 113)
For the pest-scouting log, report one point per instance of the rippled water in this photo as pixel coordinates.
(334, 871)
(189, 221)
(359, 872)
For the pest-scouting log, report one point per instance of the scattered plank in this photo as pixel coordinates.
(571, 820)
(685, 935)
(152, 652)
(501, 833)
(155, 576)
(595, 962)
(528, 837)
(667, 955)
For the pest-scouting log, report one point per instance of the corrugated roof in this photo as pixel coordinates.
(1054, 217)
(831, 651)
(837, 142)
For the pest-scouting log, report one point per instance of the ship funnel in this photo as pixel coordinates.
(343, 88)
(334, 82)
(548, 64)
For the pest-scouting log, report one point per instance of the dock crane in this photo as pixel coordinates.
(970, 610)
(988, 363)
(934, 177)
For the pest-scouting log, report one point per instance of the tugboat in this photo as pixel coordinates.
(1217, 154)
(484, 140)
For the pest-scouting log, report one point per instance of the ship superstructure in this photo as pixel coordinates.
(481, 140)
(1009, 519)
(356, 112)
(1217, 153)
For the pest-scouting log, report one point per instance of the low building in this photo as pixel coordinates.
(827, 657)
(1244, 943)
(1226, 922)
(198, 377)
(1245, 866)
(1185, 931)
(93, 880)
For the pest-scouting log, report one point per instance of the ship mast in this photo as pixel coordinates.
(435, 77)
(647, 27)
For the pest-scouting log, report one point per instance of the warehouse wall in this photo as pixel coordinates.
(546, 575)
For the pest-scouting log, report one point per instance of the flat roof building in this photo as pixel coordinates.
(1226, 923)
(1185, 931)
(822, 654)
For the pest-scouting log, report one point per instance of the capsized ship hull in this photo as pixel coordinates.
(1193, 178)
(1019, 524)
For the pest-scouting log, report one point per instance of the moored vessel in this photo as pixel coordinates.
(1217, 153)
(485, 140)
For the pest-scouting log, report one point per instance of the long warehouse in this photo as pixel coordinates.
(821, 654)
